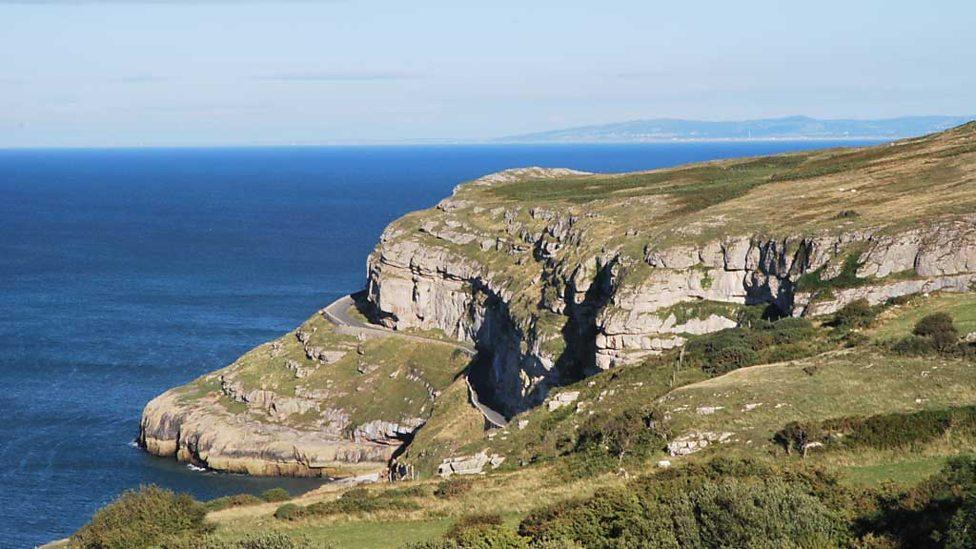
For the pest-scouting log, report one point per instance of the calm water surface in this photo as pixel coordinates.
(126, 272)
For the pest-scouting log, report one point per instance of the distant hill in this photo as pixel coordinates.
(794, 127)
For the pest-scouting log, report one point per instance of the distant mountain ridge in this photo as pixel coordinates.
(793, 127)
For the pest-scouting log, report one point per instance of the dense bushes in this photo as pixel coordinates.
(609, 440)
(142, 518)
(354, 501)
(884, 431)
(939, 512)
(723, 504)
(765, 341)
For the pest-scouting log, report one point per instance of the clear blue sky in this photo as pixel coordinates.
(170, 72)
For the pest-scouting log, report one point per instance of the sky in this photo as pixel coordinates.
(98, 73)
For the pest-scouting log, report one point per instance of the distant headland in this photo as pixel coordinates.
(766, 129)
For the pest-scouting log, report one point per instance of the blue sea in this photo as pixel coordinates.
(126, 272)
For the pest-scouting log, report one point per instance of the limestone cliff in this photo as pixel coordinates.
(552, 275)
(555, 274)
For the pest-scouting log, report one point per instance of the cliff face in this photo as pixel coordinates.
(552, 275)
(555, 275)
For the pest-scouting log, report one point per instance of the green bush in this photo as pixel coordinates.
(483, 531)
(278, 540)
(726, 504)
(856, 314)
(361, 500)
(414, 491)
(726, 350)
(290, 511)
(912, 345)
(275, 495)
(453, 487)
(934, 513)
(236, 500)
(142, 518)
(883, 431)
(940, 328)
(731, 358)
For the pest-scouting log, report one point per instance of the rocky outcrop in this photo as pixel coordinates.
(469, 465)
(614, 309)
(206, 435)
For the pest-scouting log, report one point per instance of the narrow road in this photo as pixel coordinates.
(338, 312)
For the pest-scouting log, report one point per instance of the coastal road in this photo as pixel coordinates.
(339, 312)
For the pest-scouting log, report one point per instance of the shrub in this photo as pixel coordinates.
(726, 350)
(695, 507)
(731, 358)
(856, 314)
(618, 434)
(143, 518)
(290, 511)
(472, 522)
(939, 328)
(278, 540)
(453, 487)
(883, 431)
(912, 345)
(935, 512)
(360, 500)
(275, 495)
(415, 491)
(795, 436)
(236, 500)
(961, 533)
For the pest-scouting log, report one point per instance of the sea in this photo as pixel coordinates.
(124, 272)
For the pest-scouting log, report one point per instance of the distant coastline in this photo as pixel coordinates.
(793, 128)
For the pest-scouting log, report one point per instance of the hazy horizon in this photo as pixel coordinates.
(109, 73)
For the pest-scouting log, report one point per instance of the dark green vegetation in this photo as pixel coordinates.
(887, 431)
(760, 342)
(355, 501)
(742, 503)
(142, 518)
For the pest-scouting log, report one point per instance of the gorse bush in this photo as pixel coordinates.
(236, 500)
(278, 540)
(354, 501)
(856, 314)
(726, 505)
(453, 487)
(936, 513)
(145, 517)
(885, 431)
(726, 350)
(607, 441)
(290, 511)
(935, 333)
(275, 495)
(940, 328)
